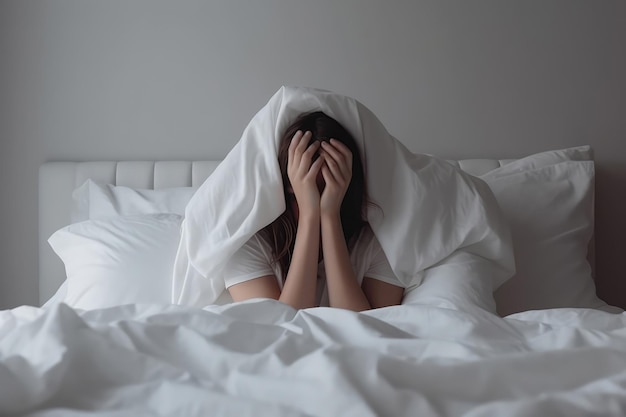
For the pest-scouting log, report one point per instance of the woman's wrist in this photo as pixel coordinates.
(331, 217)
(310, 215)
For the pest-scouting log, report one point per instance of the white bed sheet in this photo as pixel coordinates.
(263, 358)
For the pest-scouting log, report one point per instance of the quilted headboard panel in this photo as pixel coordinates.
(57, 180)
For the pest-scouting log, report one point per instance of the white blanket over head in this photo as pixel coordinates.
(429, 212)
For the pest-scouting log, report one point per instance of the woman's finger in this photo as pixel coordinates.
(310, 151)
(307, 157)
(326, 174)
(334, 152)
(315, 168)
(302, 145)
(292, 146)
(339, 159)
(333, 168)
(343, 149)
(340, 146)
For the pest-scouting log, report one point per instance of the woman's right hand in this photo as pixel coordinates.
(302, 173)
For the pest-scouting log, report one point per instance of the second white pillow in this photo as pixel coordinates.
(97, 201)
(548, 201)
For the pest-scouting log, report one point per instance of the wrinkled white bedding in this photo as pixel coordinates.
(262, 358)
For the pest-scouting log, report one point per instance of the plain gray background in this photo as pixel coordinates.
(86, 80)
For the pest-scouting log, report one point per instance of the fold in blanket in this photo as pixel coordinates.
(427, 208)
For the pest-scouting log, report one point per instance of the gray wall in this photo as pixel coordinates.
(83, 80)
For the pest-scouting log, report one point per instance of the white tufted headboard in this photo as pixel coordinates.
(57, 180)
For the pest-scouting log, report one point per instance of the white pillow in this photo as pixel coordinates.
(547, 199)
(96, 201)
(458, 283)
(118, 260)
(542, 159)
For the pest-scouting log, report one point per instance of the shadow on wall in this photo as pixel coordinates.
(610, 233)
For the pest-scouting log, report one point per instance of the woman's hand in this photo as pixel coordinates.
(337, 173)
(302, 173)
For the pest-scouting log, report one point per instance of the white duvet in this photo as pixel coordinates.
(454, 220)
(263, 358)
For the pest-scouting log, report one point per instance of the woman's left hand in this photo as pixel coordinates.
(337, 173)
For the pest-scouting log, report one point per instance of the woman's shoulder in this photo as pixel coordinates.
(256, 245)
(366, 239)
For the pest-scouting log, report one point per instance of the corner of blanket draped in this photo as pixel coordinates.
(499, 238)
(192, 288)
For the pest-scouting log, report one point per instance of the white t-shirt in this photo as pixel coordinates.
(254, 260)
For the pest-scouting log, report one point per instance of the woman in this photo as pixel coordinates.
(320, 251)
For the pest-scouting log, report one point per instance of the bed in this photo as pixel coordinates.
(499, 314)
(110, 343)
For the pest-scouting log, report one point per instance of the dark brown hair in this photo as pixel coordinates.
(281, 233)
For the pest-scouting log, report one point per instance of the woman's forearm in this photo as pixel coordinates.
(343, 289)
(299, 289)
